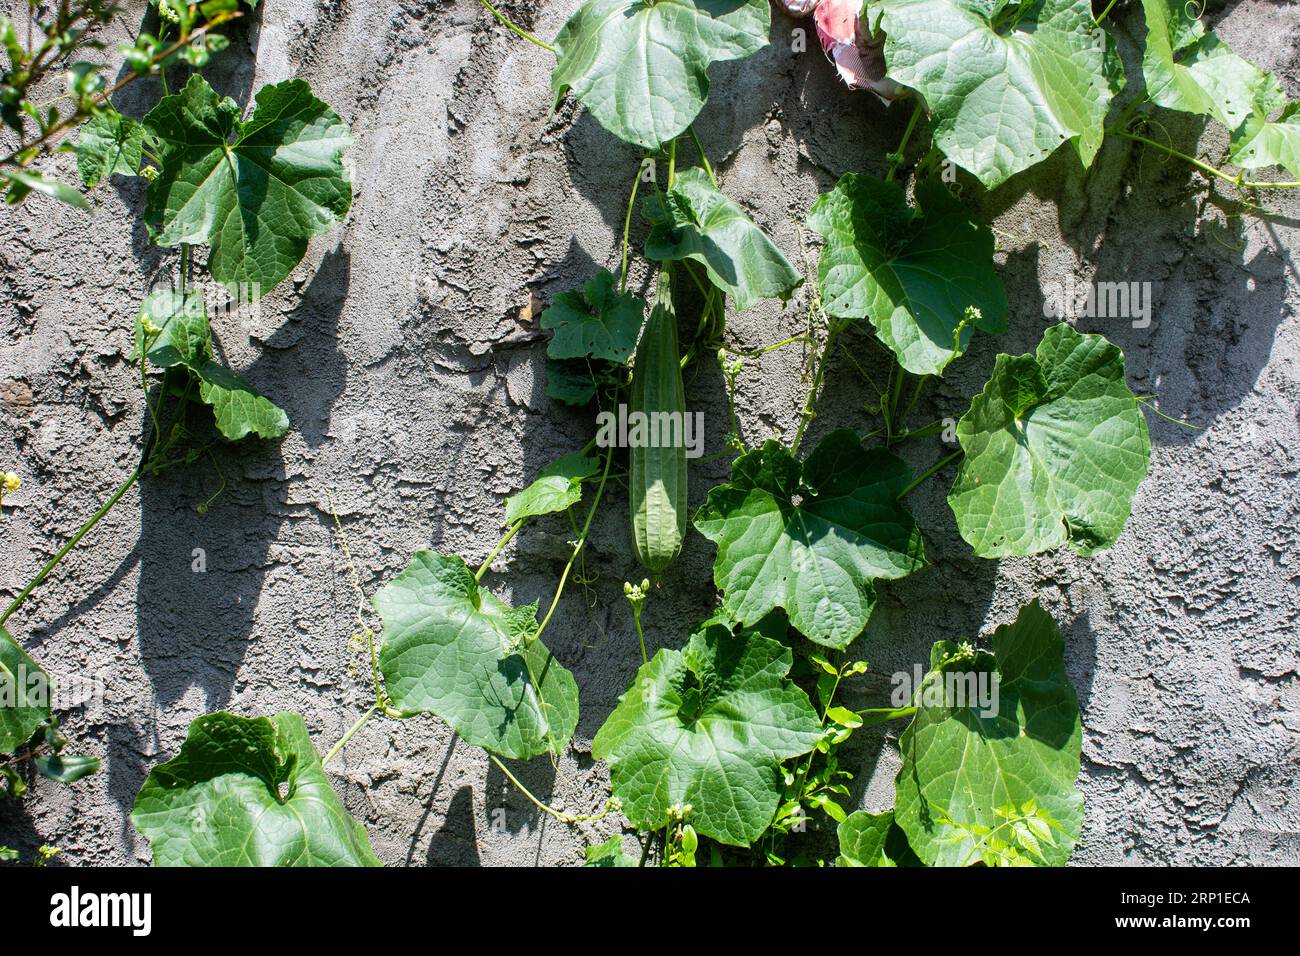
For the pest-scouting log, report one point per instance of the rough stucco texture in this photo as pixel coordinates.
(416, 395)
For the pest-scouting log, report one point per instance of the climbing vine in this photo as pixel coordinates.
(728, 742)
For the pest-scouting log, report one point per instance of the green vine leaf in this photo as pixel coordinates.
(23, 182)
(609, 853)
(453, 649)
(1193, 71)
(874, 839)
(962, 762)
(109, 143)
(598, 322)
(247, 791)
(641, 66)
(913, 273)
(810, 539)
(239, 410)
(24, 695)
(1260, 141)
(65, 768)
(696, 221)
(570, 382)
(254, 190)
(172, 330)
(702, 731)
(557, 486)
(1056, 446)
(1007, 83)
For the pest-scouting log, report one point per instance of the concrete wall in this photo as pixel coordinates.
(416, 397)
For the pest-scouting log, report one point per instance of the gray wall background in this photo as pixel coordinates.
(416, 397)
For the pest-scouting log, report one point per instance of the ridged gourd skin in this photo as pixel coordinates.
(658, 489)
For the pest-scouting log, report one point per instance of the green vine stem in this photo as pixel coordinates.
(627, 228)
(896, 157)
(497, 548)
(26, 152)
(558, 814)
(892, 420)
(704, 160)
(577, 547)
(343, 741)
(50, 565)
(1238, 180)
(755, 353)
(911, 404)
(527, 36)
(930, 472)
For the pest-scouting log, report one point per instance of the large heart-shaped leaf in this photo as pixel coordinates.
(24, 695)
(1188, 69)
(707, 727)
(695, 221)
(1056, 446)
(453, 649)
(964, 762)
(874, 839)
(914, 275)
(172, 330)
(254, 190)
(811, 539)
(641, 66)
(598, 322)
(1007, 83)
(247, 791)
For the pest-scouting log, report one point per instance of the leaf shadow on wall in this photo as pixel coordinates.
(456, 842)
(202, 576)
(1185, 279)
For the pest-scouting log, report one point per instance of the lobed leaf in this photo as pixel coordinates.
(1193, 71)
(598, 322)
(1260, 141)
(810, 539)
(1056, 446)
(961, 762)
(239, 410)
(453, 649)
(109, 143)
(1007, 84)
(641, 66)
(707, 728)
(570, 382)
(912, 273)
(247, 791)
(254, 190)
